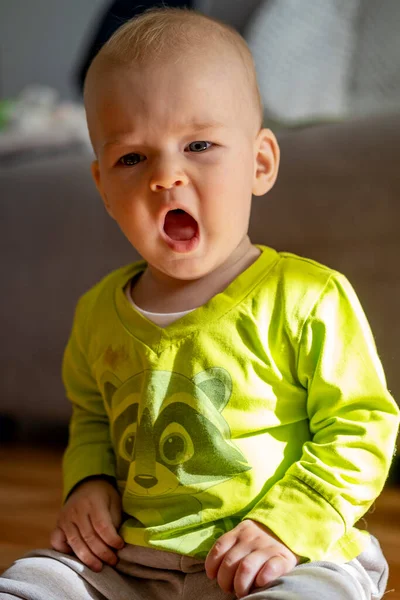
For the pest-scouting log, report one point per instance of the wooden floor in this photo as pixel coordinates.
(30, 492)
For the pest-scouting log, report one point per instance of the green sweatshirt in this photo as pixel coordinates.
(267, 403)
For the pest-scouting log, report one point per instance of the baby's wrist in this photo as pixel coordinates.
(92, 478)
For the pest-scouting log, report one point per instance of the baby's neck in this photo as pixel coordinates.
(156, 295)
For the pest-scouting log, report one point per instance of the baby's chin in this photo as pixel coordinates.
(187, 269)
(184, 267)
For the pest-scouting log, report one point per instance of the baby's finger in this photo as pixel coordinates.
(80, 548)
(247, 570)
(101, 521)
(95, 543)
(228, 568)
(59, 542)
(275, 567)
(217, 553)
(116, 515)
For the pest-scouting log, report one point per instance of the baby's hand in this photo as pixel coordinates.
(87, 524)
(249, 555)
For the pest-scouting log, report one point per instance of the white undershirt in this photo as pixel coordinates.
(160, 319)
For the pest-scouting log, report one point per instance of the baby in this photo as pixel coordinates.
(231, 421)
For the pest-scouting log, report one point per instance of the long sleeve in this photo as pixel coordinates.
(89, 450)
(353, 423)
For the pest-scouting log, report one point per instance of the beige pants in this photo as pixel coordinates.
(147, 574)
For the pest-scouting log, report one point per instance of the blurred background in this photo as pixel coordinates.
(329, 74)
(43, 41)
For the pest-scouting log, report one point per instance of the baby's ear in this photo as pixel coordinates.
(97, 179)
(266, 162)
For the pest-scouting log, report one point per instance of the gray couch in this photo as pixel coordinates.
(337, 200)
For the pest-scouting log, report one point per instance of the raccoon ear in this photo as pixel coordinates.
(216, 383)
(109, 391)
(110, 385)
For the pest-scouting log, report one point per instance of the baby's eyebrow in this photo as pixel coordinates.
(191, 127)
(113, 142)
(200, 125)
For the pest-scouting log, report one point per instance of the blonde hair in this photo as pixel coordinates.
(167, 34)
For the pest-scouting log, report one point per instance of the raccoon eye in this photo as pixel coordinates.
(127, 443)
(176, 446)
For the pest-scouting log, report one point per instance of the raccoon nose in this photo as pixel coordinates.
(146, 481)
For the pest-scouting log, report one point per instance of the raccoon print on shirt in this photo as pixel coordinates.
(171, 442)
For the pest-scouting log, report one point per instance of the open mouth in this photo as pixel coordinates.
(180, 226)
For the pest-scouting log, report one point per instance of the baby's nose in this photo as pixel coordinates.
(166, 179)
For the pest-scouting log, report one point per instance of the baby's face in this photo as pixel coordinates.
(177, 151)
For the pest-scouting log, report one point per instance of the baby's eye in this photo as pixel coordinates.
(130, 160)
(199, 146)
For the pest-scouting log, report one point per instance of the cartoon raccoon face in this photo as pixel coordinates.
(169, 435)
